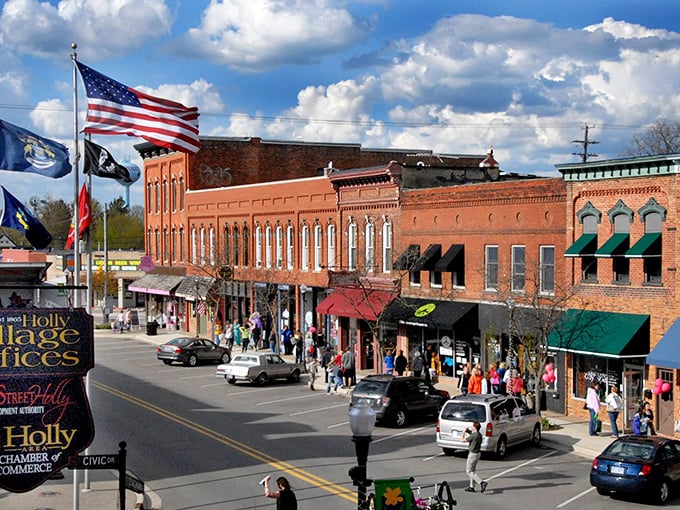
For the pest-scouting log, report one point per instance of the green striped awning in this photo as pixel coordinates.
(615, 245)
(649, 245)
(584, 245)
(607, 334)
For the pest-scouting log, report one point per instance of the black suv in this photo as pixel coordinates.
(397, 399)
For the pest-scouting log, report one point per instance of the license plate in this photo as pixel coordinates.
(617, 470)
(456, 433)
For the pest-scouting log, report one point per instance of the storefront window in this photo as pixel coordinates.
(590, 369)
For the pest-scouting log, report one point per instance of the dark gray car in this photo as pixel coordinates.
(395, 399)
(191, 351)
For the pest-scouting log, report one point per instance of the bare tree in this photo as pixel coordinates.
(662, 137)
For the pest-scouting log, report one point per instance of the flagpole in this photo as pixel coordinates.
(76, 184)
(76, 223)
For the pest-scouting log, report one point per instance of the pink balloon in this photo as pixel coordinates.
(658, 382)
(549, 367)
(656, 390)
(666, 387)
(552, 377)
(546, 378)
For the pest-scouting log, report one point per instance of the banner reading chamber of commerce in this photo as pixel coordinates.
(45, 416)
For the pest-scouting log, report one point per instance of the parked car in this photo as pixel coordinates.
(191, 351)
(259, 368)
(396, 400)
(505, 421)
(648, 465)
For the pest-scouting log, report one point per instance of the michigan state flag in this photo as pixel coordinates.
(23, 151)
(16, 216)
(393, 494)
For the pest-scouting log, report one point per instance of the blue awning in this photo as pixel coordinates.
(666, 352)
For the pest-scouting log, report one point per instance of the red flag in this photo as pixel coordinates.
(116, 109)
(84, 216)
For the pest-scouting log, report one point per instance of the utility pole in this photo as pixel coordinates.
(585, 142)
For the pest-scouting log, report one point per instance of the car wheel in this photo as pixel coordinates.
(501, 447)
(662, 492)
(449, 452)
(231, 381)
(261, 379)
(399, 418)
(295, 376)
(225, 358)
(536, 436)
(167, 362)
(192, 361)
(602, 492)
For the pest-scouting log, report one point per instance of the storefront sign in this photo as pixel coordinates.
(45, 416)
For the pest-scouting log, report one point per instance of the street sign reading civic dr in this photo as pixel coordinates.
(108, 461)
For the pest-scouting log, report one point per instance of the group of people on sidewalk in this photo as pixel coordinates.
(498, 380)
(643, 419)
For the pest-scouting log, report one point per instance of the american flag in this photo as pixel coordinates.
(116, 109)
(200, 309)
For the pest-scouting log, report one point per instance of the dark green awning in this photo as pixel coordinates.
(649, 245)
(584, 245)
(428, 259)
(606, 334)
(615, 245)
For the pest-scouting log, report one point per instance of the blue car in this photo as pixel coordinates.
(648, 465)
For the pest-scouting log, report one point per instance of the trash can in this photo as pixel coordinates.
(152, 328)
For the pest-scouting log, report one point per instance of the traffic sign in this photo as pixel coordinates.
(107, 461)
(134, 484)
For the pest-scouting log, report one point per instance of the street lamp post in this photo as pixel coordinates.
(362, 422)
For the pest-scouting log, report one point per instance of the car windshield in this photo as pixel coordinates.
(180, 341)
(631, 450)
(461, 411)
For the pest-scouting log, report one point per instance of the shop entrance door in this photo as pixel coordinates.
(633, 377)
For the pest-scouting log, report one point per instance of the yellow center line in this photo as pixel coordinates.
(275, 463)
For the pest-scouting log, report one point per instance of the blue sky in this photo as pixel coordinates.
(452, 76)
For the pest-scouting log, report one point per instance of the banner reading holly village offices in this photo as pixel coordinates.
(45, 416)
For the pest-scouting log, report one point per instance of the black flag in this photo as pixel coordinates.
(99, 162)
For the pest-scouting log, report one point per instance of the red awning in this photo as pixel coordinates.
(356, 303)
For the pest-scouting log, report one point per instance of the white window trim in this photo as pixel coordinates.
(289, 247)
(352, 247)
(194, 246)
(387, 247)
(279, 247)
(258, 246)
(318, 235)
(330, 242)
(304, 255)
(268, 247)
(369, 233)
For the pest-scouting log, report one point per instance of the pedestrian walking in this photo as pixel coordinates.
(418, 364)
(313, 371)
(229, 335)
(389, 362)
(245, 337)
(400, 363)
(593, 406)
(299, 347)
(285, 497)
(614, 405)
(463, 380)
(348, 364)
(474, 440)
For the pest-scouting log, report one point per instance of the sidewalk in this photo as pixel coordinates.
(569, 435)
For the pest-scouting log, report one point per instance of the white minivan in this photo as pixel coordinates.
(505, 421)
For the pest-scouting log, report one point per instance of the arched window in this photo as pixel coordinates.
(157, 187)
(157, 245)
(236, 245)
(290, 247)
(317, 247)
(166, 196)
(330, 243)
(166, 245)
(304, 249)
(173, 245)
(181, 193)
(258, 246)
(202, 246)
(268, 247)
(174, 194)
(246, 246)
(211, 245)
(279, 247)
(182, 246)
(149, 198)
(149, 242)
(227, 244)
(369, 233)
(387, 247)
(352, 246)
(194, 246)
